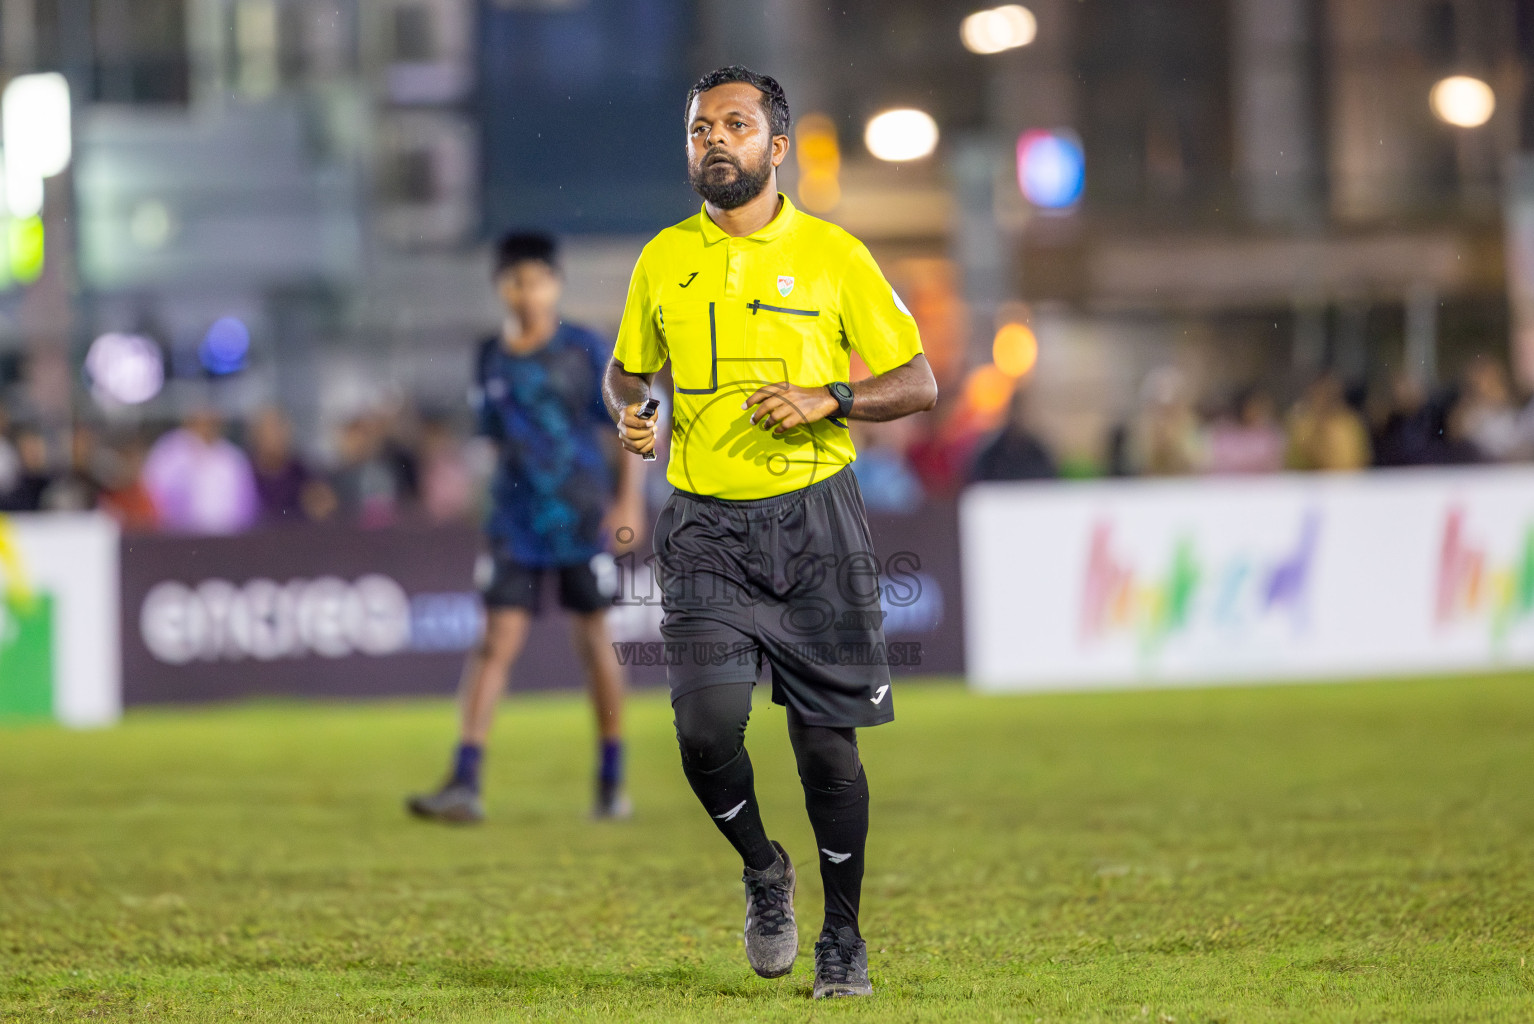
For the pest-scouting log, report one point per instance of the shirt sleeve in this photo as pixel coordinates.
(876, 322)
(641, 346)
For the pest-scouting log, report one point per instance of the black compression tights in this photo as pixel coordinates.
(711, 730)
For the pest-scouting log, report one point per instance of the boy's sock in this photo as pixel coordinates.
(466, 764)
(610, 768)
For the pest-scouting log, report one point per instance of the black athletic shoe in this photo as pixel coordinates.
(841, 965)
(772, 937)
(458, 804)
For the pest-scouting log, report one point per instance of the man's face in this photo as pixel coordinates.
(530, 290)
(731, 151)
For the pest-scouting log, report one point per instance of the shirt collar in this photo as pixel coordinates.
(774, 228)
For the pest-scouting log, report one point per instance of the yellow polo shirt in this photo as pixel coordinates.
(732, 314)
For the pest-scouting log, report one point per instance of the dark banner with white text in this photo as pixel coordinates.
(342, 612)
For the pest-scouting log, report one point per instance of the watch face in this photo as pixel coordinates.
(842, 392)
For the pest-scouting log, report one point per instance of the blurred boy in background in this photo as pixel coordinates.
(555, 499)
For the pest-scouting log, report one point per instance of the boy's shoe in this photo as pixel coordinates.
(454, 803)
(841, 965)
(772, 938)
(614, 806)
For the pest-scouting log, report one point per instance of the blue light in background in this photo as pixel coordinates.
(225, 346)
(1051, 169)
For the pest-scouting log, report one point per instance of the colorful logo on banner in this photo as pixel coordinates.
(1470, 585)
(1232, 597)
(26, 635)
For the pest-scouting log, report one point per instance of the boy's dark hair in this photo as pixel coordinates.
(523, 246)
(774, 103)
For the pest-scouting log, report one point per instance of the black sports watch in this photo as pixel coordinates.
(842, 392)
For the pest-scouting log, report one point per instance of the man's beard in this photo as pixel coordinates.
(745, 186)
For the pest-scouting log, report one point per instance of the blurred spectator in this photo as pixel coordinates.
(36, 472)
(447, 483)
(199, 480)
(887, 481)
(79, 486)
(1455, 446)
(1325, 433)
(943, 457)
(1405, 436)
(288, 491)
(1016, 452)
(399, 428)
(365, 484)
(1164, 439)
(124, 496)
(940, 457)
(1118, 461)
(10, 462)
(1251, 440)
(1489, 418)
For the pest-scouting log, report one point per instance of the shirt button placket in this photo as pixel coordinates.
(731, 269)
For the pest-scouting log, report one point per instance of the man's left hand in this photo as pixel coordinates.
(783, 406)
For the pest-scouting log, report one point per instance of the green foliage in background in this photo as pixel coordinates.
(1349, 853)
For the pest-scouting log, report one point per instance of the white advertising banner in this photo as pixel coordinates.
(1164, 583)
(59, 651)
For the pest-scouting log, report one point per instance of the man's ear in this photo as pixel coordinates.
(779, 149)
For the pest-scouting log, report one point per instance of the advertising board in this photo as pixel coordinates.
(1123, 583)
(59, 652)
(342, 612)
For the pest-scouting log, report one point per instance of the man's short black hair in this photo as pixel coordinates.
(524, 246)
(774, 103)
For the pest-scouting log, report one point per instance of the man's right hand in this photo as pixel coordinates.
(637, 435)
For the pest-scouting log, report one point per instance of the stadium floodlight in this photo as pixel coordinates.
(34, 124)
(998, 29)
(902, 134)
(1463, 101)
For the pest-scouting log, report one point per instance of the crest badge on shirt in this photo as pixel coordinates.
(785, 285)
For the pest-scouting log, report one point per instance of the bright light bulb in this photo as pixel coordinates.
(998, 29)
(1015, 350)
(903, 134)
(1463, 101)
(34, 117)
(36, 113)
(23, 191)
(987, 389)
(125, 369)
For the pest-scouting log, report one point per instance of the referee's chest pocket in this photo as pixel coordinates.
(793, 343)
(691, 337)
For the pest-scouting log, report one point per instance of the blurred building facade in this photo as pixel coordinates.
(1267, 190)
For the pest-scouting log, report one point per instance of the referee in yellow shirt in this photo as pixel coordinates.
(763, 551)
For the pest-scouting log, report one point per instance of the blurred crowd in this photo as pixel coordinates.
(206, 476)
(1174, 431)
(392, 464)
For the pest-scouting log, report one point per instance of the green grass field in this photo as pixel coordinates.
(1346, 853)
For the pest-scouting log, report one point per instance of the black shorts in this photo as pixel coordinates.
(790, 581)
(583, 588)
